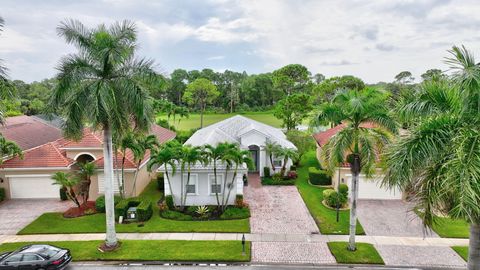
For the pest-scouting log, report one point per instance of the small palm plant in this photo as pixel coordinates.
(272, 149)
(239, 158)
(287, 154)
(66, 181)
(143, 144)
(190, 155)
(202, 211)
(87, 170)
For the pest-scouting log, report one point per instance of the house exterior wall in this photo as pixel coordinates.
(203, 179)
(72, 153)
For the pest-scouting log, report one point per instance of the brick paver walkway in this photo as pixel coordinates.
(420, 256)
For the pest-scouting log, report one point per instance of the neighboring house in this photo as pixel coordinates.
(30, 177)
(368, 188)
(249, 135)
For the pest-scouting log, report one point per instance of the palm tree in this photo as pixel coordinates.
(106, 86)
(144, 144)
(87, 170)
(356, 144)
(166, 155)
(124, 143)
(190, 155)
(272, 149)
(6, 88)
(440, 156)
(239, 157)
(65, 181)
(287, 153)
(9, 149)
(227, 161)
(214, 154)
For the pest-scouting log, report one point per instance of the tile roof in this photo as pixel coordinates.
(44, 156)
(29, 131)
(323, 136)
(89, 140)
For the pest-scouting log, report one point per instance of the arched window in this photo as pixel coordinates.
(84, 157)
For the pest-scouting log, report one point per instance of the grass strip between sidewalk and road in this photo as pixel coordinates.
(451, 228)
(55, 223)
(462, 251)
(365, 253)
(151, 250)
(325, 218)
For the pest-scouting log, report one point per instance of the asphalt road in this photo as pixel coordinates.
(233, 267)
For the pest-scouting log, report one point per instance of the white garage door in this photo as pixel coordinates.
(370, 189)
(33, 187)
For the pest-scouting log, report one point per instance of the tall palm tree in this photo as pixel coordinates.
(87, 170)
(227, 161)
(440, 156)
(106, 86)
(356, 144)
(144, 144)
(166, 155)
(3, 70)
(214, 155)
(6, 88)
(239, 158)
(272, 149)
(65, 181)
(127, 141)
(190, 155)
(287, 153)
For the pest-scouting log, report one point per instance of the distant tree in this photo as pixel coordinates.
(258, 90)
(302, 140)
(404, 77)
(433, 74)
(293, 109)
(327, 88)
(3, 70)
(177, 86)
(318, 78)
(9, 149)
(201, 92)
(293, 78)
(233, 96)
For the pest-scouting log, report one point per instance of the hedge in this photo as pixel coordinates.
(266, 172)
(2, 194)
(319, 177)
(100, 203)
(169, 202)
(175, 215)
(235, 213)
(144, 208)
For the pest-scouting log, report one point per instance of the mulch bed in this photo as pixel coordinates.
(83, 210)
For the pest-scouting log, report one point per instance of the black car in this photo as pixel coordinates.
(35, 257)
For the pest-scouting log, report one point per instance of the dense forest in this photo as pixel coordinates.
(237, 91)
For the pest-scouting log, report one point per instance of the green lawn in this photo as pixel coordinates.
(312, 195)
(450, 228)
(365, 253)
(152, 250)
(53, 223)
(194, 120)
(462, 251)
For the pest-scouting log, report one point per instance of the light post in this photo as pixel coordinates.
(243, 245)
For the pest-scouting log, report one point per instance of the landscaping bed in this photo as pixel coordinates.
(55, 223)
(152, 250)
(83, 210)
(365, 253)
(313, 197)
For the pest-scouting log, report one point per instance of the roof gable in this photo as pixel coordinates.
(44, 156)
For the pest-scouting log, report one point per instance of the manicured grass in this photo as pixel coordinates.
(365, 253)
(462, 251)
(312, 196)
(271, 182)
(194, 120)
(152, 250)
(53, 223)
(450, 228)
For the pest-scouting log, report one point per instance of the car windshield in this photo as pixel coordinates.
(47, 251)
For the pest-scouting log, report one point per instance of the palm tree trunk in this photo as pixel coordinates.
(230, 189)
(224, 184)
(215, 176)
(135, 177)
(355, 169)
(201, 117)
(186, 190)
(122, 187)
(284, 167)
(271, 163)
(111, 236)
(169, 184)
(474, 248)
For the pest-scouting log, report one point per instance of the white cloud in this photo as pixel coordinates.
(215, 58)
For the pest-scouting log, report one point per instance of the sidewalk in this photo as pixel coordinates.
(254, 237)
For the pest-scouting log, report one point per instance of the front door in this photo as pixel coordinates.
(255, 161)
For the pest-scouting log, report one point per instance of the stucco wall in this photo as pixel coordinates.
(203, 195)
(96, 153)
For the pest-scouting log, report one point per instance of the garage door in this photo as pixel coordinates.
(33, 187)
(371, 189)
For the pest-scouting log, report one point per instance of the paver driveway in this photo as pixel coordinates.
(281, 210)
(390, 218)
(16, 214)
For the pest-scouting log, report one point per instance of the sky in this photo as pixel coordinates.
(373, 40)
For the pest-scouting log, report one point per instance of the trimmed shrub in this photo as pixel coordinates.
(2, 194)
(332, 198)
(293, 168)
(169, 202)
(319, 177)
(63, 194)
(235, 213)
(271, 182)
(327, 192)
(100, 203)
(121, 208)
(169, 214)
(144, 210)
(277, 177)
(266, 172)
(160, 182)
(343, 189)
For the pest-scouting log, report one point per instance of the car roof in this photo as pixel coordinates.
(35, 248)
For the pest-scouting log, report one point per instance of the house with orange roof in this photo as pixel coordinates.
(368, 188)
(30, 176)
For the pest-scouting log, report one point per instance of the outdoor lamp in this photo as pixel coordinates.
(243, 244)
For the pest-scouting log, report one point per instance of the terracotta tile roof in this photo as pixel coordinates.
(29, 131)
(162, 134)
(323, 137)
(88, 140)
(44, 156)
(129, 160)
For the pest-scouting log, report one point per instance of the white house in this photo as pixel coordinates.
(249, 135)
